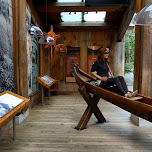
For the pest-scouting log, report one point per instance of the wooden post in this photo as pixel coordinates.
(137, 59)
(142, 61)
(138, 52)
(118, 63)
(83, 50)
(15, 45)
(146, 74)
(143, 57)
(22, 49)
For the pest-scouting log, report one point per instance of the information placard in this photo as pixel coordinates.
(70, 59)
(11, 104)
(91, 60)
(8, 102)
(46, 80)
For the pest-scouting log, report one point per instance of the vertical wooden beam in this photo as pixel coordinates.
(146, 74)
(112, 51)
(118, 63)
(143, 56)
(130, 10)
(146, 71)
(19, 46)
(83, 50)
(22, 48)
(15, 45)
(138, 52)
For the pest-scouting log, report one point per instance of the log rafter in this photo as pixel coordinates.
(85, 26)
(126, 19)
(76, 7)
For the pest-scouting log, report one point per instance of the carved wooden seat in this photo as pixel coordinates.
(92, 95)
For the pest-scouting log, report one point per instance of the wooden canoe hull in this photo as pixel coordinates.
(142, 108)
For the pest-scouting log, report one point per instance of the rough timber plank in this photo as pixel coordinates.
(50, 129)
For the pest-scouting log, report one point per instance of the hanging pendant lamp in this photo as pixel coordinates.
(144, 16)
(35, 29)
(31, 29)
(45, 39)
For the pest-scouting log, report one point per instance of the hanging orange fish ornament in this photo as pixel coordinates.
(51, 34)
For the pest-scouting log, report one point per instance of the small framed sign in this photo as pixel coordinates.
(46, 80)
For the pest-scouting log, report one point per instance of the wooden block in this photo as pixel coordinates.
(70, 79)
(136, 98)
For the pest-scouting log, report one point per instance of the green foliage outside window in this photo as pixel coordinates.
(129, 50)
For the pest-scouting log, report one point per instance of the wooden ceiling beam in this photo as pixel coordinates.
(84, 26)
(127, 17)
(34, 15)
(76, 7)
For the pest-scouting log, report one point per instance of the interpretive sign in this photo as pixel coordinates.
(46, 81)
(70, 59)
(8, 102)
(91, 60)
(11, 104)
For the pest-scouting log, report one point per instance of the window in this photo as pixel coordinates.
(71, 16)
(88, 16)
(94, 16)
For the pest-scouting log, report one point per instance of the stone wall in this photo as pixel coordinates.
(6, 46)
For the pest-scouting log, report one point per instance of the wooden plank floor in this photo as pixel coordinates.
(51, 129)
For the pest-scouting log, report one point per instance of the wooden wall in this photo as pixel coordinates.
(81, 39)
(52, 64)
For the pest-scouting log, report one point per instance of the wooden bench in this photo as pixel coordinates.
(142, 109)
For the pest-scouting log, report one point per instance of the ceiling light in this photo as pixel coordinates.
(34, 29)
(45, 39)
(31, 29)
(144, 16)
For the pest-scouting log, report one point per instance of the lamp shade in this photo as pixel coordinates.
(31, 29)
(45, 39)
(144, 16)
(34, 29)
